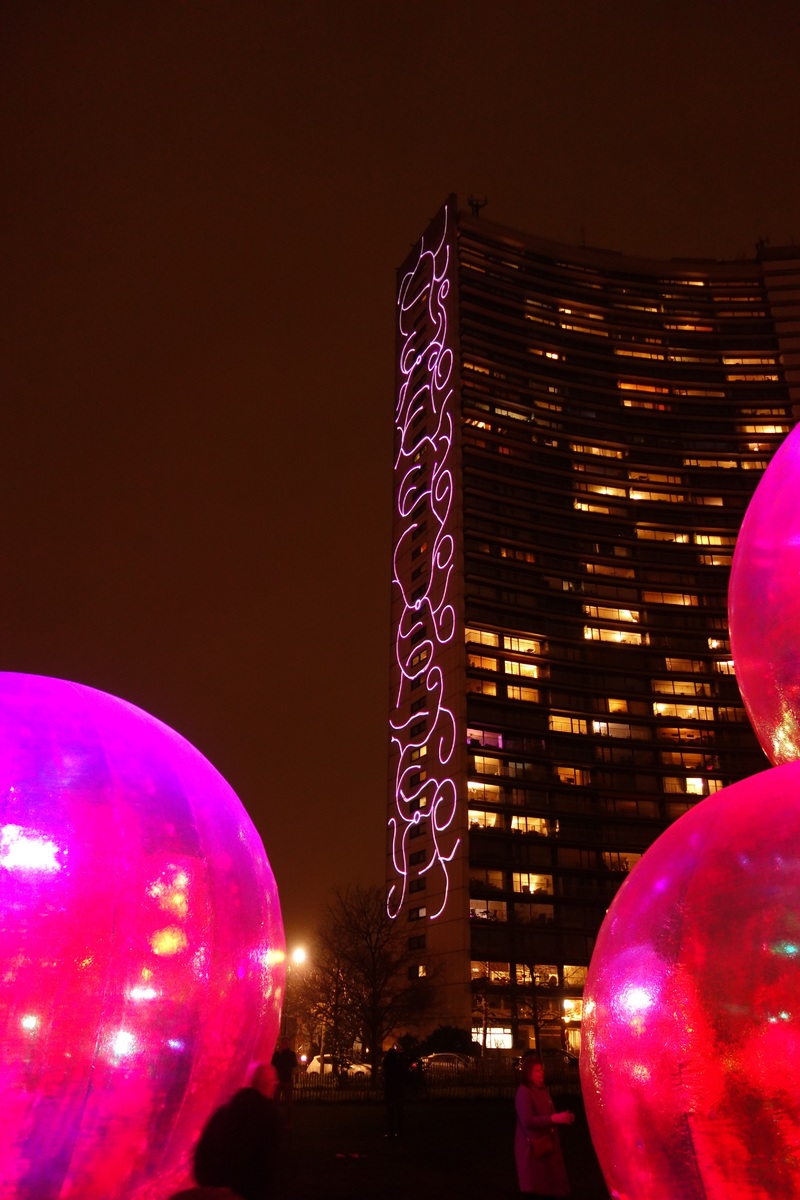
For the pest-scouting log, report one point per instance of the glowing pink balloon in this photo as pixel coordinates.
(141, 946)
(764, 605)
(692, 1006)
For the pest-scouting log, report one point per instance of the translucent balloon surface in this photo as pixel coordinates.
(692, 1006)
(764, 605)
(141, 946)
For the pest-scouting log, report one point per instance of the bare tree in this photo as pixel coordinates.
(372, 961)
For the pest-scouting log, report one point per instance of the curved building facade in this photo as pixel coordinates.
(577, 437)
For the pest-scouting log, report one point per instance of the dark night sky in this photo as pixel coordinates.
(202, 208)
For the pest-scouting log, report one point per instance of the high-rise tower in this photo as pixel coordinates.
(577, 437)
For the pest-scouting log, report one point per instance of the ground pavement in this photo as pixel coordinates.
(458, 1148)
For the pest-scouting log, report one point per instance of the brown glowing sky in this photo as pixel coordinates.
(202, 207)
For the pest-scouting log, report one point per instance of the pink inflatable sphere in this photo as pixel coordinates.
(764, 605)
(692, 1006)
(141, 946)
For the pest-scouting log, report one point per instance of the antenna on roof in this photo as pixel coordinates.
(476, 205)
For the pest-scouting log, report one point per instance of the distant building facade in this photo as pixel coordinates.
(578, 434)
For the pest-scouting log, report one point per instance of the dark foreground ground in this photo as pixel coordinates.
(460, 1148)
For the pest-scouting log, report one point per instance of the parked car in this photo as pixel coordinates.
(315, 1066)
(445, 1064)
(351, 1069)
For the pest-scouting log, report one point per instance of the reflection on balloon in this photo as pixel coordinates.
(141, 944)
(764, 604)
(692, 1006)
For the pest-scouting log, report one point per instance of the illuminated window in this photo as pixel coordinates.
(687, 712)
(517, 555)
(484, 737)
(660, 535)
(573, 1008)
(715, 560)
(601, 451)
(625, 636)
(525, 824)
(617, 706)
(482, 662)
(724, 666)
(482, 687)
(725, 463)
(522, 645)
(608, 569)
(601, 613)
(488, 910)
(478, 819)
(714, 539)
(487, 766)
(487, 793)
(661, 497)
(524, 881)
(650, 388)
(582, 506)
(558, 723)
(683, 598)
(528, 670)
(416, 914)
(617, 861)
(574, 775)
(613, 729)
(762, 428)
(575, 977)
(719, 644)
(528, 694)
(691, 666)
(735, 360)
(482, 636)
(651, 477)
(522, 974)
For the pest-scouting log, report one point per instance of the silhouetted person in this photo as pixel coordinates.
(240, 1144)
(285, 1063)
(395, 1073)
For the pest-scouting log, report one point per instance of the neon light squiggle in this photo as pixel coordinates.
(424, 790)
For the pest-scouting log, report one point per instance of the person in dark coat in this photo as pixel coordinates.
(240, 1144)
(395, 1074)
(539, 1174)
(285, 1063)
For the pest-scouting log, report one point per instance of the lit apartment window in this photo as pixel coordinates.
(482, 636)
(528, 670)
(525, 824)
(724, 666)
(528, 694)
(614, 729)
(487, 766)
(524, 881)
(682, 598)
(575, 977)
(617, 706)
(660, 497)
(722, 463)
(762, 428)
(690, 666)
(416, 914)
(651, 477)
(607, 569)
(482, 662)
(601, 451)
(518, 555)
(522, 645)
(558, 723)
(478, 819)
(574, 775)
(715, 643)
(660, 535)
(626, 637)
(488, 910)
(714, 539)
(601, 613)
(583, 506)
(649, 388)
(686, 712)
(485, 737)
(485, 793)
(482, 687)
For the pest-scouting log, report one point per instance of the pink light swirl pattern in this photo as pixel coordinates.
(423, 728)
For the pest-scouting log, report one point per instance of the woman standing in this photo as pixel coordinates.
(540, 1163)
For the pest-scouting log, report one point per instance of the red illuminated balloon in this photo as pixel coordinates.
(764, 603)
(692, 1006)
(141, 946)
